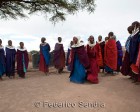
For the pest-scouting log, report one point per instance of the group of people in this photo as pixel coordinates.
(83, 61)
(9, 56)
(14, 60)
(131, 62)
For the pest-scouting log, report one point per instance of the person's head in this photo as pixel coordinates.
(9, 42)
(59, 39)
(110, 34)
(75, 40)
(135, 24)
(43, 39)
(99, 38)
(130, 29)
(91, 39)
(0, 41)
(106, 38)
(81, 41)
(21, 45)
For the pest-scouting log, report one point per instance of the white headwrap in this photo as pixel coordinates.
(24, 49)
(10, 47)
(78, 43)
(91, 45)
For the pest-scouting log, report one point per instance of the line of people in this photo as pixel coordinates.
(9, 56)
(83, 62)
(131, 62)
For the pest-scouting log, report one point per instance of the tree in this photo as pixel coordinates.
(55, 9)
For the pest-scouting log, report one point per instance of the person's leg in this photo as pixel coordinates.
(22, 74)
(1, 78)
(8, 75)
(134, 78)
(60, 70)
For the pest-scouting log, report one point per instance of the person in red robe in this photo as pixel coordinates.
(92, 72)
(44, 56)
(59, 56)
(100, 52)
(22, 60)
(110, 54)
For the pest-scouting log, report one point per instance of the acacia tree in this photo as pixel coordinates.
(56, 9)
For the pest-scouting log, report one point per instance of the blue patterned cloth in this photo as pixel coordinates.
(2, 62)
(46, 53)
(127, 44)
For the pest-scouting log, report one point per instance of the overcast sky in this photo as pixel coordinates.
(110, 15)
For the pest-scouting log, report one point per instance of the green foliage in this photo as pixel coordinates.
(55, 9)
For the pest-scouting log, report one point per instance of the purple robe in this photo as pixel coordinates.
(126, 70)
(120, 53)
(22, 62)
(82, 56)
(10, 61)
(102, 45)
(59, 56)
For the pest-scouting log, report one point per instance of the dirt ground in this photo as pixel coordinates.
(55, 93)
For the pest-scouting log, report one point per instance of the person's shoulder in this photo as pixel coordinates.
(103, 42)
(10, 47)
(1, 47)
(47, 44)
(19, 49)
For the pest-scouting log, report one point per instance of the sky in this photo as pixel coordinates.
(109, 15)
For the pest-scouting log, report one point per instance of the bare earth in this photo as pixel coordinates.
(55, 93)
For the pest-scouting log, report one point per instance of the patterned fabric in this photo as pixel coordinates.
(127, 44)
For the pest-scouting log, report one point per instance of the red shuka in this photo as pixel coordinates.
(110, 56)
(92, 72)
(42, 64)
